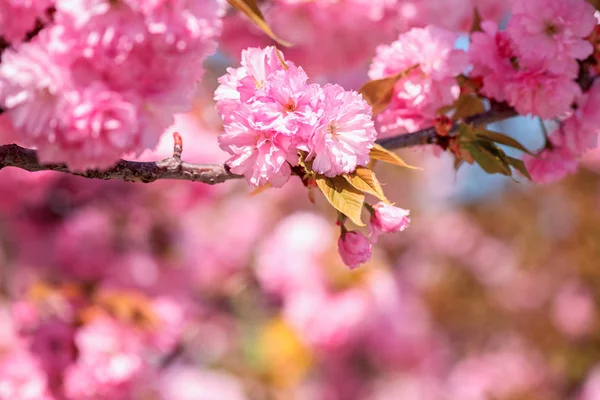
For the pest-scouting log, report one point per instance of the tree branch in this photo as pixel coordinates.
(174, 168)
(12, 155)
(497, 112)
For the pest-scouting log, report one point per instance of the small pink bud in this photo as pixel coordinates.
(388, 219)
(354, 248)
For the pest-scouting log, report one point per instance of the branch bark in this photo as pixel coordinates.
(174, 168)
(497, 112)
(12, 155)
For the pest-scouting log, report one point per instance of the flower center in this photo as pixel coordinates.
(290, 106)
(551, 29)
(332, 128)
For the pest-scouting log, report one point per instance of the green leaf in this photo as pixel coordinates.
(500, 138)
(378, 93)
(365, 180)
(491, 162)
(466, 132)
(466, 106)
(343, 197)
(383, 154)
(251, 10)
(519, 165)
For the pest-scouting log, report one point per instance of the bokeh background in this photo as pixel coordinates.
(183, 291)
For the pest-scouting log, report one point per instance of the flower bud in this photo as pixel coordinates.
(354, 248)
(387, 219)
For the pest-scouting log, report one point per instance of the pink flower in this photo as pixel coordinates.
(429, 86)
(259, 150)
(86, 244)
(17, 17)
(553, 30)
(491, 52)
(354, 248)
(344, 135)
(580, 131)
(387, 219)
(329, 321)
(551, 165)
(109, 359)
(591, 386)
(31, 84)
(455, 15)
(510, 371)
(193, 383)
(289, 260)
(536, 91)
(296, 101)
(21, 377)
(573, 310)
(243, 84)
(106, 78)
(329, 37)
(100, 127)
(53, 346)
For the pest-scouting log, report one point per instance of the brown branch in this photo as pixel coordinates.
(12, 155)
(498, 112)
(174, 168)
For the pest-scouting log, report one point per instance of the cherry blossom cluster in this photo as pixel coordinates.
(431, 63)
(103, 78)
(533, 66)
(270, 113)
(335, 39)
(18, 17)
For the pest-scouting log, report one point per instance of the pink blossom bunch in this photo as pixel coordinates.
(431, 63)
(533, 64)
(110, 360)
(105, 78)
(553, 163)
(270, 113)
(456, 15)
(573, 137)
(329, 37)
(19, 17)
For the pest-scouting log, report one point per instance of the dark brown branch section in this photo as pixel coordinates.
(498, 112)
(175, 169)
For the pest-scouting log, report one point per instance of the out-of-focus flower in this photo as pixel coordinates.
(428, 87)
(21, 377)
(18, 17)
(553, 30)
(193, 383)
(109, 360)
(550, 165)
(573, 310)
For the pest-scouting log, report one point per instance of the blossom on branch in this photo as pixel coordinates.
(270, 113)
